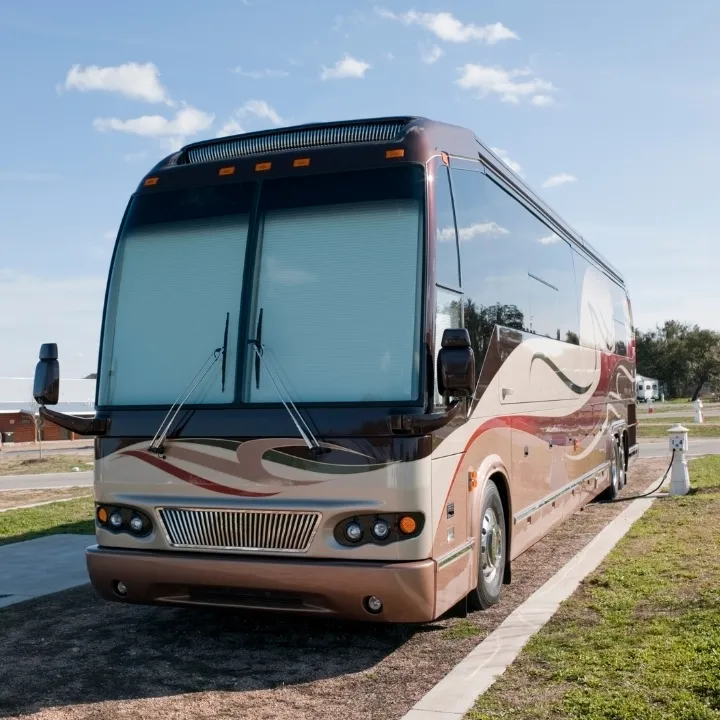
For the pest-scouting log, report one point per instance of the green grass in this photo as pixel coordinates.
(640, 639)
(49, 464)
(75, 517)
(462, 629)
(659, 430)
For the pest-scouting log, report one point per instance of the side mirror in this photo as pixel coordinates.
(456, 364)
(46, 387)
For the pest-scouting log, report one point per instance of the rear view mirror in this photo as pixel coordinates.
(456, 364)
(46, 386)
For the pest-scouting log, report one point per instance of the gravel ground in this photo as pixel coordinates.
(71, 655)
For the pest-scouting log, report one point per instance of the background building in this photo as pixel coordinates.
(18, 409)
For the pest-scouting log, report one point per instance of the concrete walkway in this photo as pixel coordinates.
(661, 448)
(45, 565)
(46, 480)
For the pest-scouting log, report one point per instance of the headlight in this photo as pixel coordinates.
(380, 529)
(123, 520)
(353, 532)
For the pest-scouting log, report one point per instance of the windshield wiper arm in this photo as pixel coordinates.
(156, 446)
(302, 427)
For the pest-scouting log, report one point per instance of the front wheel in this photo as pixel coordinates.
(491, 552)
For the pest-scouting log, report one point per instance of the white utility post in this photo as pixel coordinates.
(679, 477)
(698, 411)
(650, 405)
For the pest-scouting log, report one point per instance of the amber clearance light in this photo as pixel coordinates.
(407, 525)
(397, 153)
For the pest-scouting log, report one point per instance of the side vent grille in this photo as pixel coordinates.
(294, 140)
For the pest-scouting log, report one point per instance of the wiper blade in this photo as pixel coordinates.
(224, 351)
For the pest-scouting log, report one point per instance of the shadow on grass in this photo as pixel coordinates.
(75, 648)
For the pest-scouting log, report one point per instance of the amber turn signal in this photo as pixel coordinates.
(102, 515)
(407, 525)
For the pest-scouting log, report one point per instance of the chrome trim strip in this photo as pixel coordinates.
(555, 495)
(269, 531)
(634, 450)
(455, 554)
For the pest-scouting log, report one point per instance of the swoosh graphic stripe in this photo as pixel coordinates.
(191, 478)
(577, 389)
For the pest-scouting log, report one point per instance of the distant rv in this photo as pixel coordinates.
(646, 388)
(350, 369)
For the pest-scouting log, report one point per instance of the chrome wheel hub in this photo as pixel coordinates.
(491, 545)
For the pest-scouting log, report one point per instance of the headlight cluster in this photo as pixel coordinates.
(123, 519)
(379, 529)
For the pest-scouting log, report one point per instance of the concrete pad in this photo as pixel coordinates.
(45, 565)
(456, 693)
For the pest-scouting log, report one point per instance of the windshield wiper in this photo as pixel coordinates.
(224, 351)
(300, 424)
(156, 446)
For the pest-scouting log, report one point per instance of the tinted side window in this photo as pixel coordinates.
(621, 319)
(494, 274)
(516, 272)
(446, 251)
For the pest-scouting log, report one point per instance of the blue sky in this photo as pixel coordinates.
(610, 111)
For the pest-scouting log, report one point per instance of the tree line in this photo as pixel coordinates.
(683, 357)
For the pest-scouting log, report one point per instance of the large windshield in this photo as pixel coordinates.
(336, 272)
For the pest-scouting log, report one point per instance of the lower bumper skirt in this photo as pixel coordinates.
(307, 586)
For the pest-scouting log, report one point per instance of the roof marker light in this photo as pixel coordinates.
(151, 181)
(397, 153)
(301, 162)
(261, 167)
(227, 170)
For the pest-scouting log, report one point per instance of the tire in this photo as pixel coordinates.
(617, 472)
(492, 551)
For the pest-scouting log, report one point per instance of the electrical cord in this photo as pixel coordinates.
(649, 492)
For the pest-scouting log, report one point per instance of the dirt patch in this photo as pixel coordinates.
(23, 465)
(74, 656)
(15, 498)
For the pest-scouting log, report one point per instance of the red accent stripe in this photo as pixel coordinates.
(191, 478)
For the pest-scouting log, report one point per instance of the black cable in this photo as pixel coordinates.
(649, 492)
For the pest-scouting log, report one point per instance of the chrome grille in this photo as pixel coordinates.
(251, 530)
(294, 139)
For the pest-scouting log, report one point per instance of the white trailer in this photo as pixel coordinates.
(646, 388)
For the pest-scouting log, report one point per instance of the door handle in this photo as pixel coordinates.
(506, 392)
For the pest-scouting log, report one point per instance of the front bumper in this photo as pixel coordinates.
(305, 586)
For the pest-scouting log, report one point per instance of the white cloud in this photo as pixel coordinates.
(187, 122)
(348, 67)
(136, 81)
(259, 74)
(448, 28)
(505, 83)
(558, 180)
(514, 166)
(542, 100)
(260, 109)
(231, 127)
(431, 55)
(490, 229)
(550, 239)
(72, 320)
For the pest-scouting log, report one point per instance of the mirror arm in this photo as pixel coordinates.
(78, 425)
(424, 423)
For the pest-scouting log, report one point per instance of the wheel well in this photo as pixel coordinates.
(501, 484)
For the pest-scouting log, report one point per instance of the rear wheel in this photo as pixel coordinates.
(491, 551)
(617, 472)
